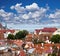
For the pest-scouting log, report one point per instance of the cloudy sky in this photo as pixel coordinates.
(30, 11)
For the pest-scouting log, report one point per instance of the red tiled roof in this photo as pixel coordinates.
(49, 29)
(18, 42)
(46, 48)
(38, 50)
(37, 45)
(9, 41)
(29, 35)
(28, 39)
(22, 53)
(30, 44)
(46, 30)
(3, 31)
(48, 45)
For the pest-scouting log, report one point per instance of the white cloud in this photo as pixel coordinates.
(2, 12)
(18, 8)
(39, 13)
(55, 15)
(5, 15)
(12, 7)
(32, 6)
(30, 13)
(25, 16)
(36, 14)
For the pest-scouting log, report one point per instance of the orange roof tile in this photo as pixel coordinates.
(48, 45)
(19, 42)
(22, 53)
(29, 35)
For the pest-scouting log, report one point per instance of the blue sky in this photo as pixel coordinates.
(30, 11)
(52, 3)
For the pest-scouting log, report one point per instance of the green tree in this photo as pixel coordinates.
(21, 34)
(10, 36)
(55, 38)
(25, 32)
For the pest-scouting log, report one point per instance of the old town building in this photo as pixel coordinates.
(42, 34)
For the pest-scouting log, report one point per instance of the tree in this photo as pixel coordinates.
(25, 32)
(21, 34)
(10, 36)
(55, 38)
